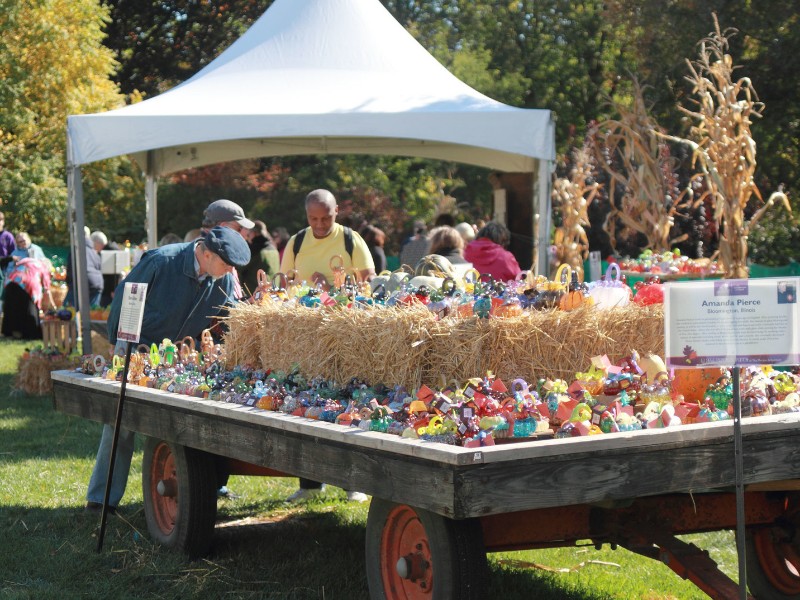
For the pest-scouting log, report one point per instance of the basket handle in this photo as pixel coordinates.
(564, 275)
(522, 384)
(616, 281)
(448, 287)
(336, 264)
(279, 281)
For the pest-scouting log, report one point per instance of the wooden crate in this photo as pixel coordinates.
(60, 335)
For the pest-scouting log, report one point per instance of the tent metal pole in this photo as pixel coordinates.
(75, 219)
(151, 201)
(543, 217)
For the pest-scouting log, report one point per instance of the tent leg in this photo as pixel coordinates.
(78, 244)
(151, 201)
(543, 217)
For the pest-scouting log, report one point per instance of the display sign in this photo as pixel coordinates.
(732, 322)
(114, 262)
(132, 311)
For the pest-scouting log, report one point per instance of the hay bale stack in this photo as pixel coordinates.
(288, 336)
(101, 345)
(243, 339)
(408, 346)
(379, 346)
(556, 344)
(33, 372)
(456, 350)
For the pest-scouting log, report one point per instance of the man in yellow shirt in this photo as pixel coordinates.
(309, 252)
(312, 250)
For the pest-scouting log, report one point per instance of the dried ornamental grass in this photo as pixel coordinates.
(572, 197)
(724, 148)
(636, 159)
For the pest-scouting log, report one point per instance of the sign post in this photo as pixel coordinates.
(733, 323)
(128, 330)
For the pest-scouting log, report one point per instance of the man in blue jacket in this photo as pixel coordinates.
(188, 286)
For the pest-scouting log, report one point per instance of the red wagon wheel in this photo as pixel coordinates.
(413, 553)
(180, 502)
(773, 563)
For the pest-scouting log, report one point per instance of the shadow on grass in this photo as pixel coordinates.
(301, 553)
(33, 429)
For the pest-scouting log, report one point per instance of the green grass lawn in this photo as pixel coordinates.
(263, 548)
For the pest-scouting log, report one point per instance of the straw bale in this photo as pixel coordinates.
(386, 345)
(408, 346)
(33, 372)
(456, 350)
(101, 345)
(243, 338)
(291, 338)
(556, 344)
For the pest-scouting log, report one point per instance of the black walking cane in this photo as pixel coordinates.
(114, 443)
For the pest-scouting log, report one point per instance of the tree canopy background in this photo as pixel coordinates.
(572, 57)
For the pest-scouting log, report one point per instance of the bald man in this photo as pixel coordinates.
(310, 251)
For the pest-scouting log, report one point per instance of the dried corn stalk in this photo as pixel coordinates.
(724, 148)
(638, 160)
(572, 197)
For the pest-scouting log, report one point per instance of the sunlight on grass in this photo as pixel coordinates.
(11, 423)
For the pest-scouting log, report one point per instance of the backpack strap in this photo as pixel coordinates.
(298, 241)
(348, 241)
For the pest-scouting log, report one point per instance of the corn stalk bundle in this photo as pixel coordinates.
(572, 196)
(638, 161)
(723, 147)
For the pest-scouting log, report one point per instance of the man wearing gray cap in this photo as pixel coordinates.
(188, 286)
(226, 214)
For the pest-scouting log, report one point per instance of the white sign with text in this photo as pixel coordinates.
(132, 311)
(732, 322)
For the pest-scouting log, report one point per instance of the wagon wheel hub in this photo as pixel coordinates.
(406, 556)
(167, 488)
(412, 566)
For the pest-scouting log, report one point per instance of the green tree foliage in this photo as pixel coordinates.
(52, 64)
(775, 239)
(160, 43)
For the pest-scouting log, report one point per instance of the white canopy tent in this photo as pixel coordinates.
(313, 77)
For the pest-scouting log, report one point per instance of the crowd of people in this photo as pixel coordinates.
(25, 270)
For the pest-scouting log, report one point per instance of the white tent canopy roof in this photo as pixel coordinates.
(314, 77)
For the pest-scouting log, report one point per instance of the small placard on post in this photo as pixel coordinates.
(131, 312)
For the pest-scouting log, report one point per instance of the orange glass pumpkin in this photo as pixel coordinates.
(577, 294)
(692, 383)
